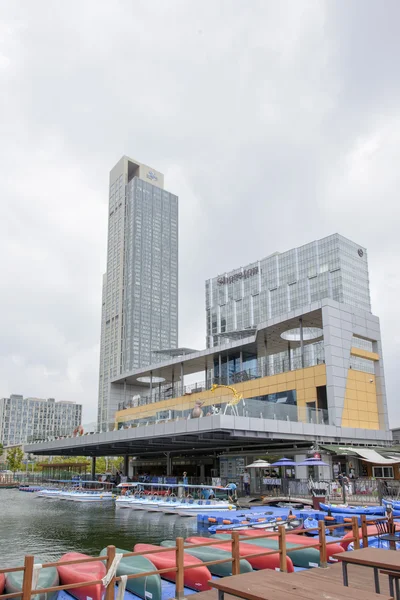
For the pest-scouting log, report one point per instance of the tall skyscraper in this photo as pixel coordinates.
(140, 287)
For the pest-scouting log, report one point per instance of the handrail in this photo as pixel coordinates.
(180, 547)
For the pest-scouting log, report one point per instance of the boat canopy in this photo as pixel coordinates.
(174, 485)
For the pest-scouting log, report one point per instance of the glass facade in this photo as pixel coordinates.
(140, 287)
(333, 267)
(151, 273)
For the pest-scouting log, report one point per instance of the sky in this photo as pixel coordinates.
(275, 122)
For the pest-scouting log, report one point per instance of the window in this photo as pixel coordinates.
(382, 472)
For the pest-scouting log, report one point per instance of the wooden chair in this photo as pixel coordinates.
(385, 528)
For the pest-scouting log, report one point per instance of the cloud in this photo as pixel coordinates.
(275, 124)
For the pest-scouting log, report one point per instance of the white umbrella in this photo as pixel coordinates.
(258, 464)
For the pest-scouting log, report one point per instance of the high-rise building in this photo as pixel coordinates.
(28, 419)
(140, 287)
(333, 267)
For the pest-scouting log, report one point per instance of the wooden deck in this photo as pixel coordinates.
(361, 578)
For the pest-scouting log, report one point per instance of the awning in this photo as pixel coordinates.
(373, 457)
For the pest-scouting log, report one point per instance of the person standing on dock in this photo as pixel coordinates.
(246, 482)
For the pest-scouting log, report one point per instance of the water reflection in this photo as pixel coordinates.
(49, 528)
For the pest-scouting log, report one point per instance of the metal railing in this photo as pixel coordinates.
(170, 390)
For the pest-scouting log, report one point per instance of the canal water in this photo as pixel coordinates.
(50, 528)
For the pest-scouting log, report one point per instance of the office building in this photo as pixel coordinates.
(140, 287)
(306, 370)
(333, 267)
(28, 419)
(303, 314)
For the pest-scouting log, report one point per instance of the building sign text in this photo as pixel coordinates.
(242, 275)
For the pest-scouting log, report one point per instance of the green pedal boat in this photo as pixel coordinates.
(208, 553)
(304, 557)
(47, 578)
(146, 587)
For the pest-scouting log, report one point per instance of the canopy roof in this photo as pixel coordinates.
(378, 455)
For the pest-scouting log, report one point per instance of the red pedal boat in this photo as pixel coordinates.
(196, 578)
(2, 582)
(271, 561)
(81, 573)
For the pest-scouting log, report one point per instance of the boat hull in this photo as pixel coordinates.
(209, 553)
(371, 529)
(47, 578)
(145, 587)
(352, 510)
(82, 573)
(196, 578)
(270, 561)
(303, 557)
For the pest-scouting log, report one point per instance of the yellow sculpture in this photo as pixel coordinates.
(237, 397)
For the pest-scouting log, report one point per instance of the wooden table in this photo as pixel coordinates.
(274, 585)
(375, 558)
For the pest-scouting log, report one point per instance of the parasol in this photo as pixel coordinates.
(258, 464)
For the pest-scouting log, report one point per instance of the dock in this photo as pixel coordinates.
(278, 582)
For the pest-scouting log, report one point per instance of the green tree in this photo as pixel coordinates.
(15, 456)
(1, 450)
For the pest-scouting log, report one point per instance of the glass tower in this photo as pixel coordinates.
(333, 267)
(140, 288)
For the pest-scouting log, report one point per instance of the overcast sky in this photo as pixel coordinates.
(276, 123)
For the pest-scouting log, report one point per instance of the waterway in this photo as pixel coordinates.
(49, 528)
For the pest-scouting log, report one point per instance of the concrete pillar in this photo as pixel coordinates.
(289, 357)
(301, 342)
(219, 368)
(182, 378)
(169, 464)
(227, 369)
(202, 474)
(126, 465)
(266, 357)
(93, 473)
(151, 386)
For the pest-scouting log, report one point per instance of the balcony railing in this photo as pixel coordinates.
(176, 390)
(256, 408)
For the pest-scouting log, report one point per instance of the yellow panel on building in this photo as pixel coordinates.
(360, 403)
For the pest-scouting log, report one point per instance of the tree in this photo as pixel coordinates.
(1, 450)
(15, 456)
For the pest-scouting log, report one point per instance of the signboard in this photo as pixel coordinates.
(271, 481)
(152, 176)
(242, 275)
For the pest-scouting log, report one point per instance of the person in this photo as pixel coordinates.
(185, 478)
(246, 482)
(232, 496)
